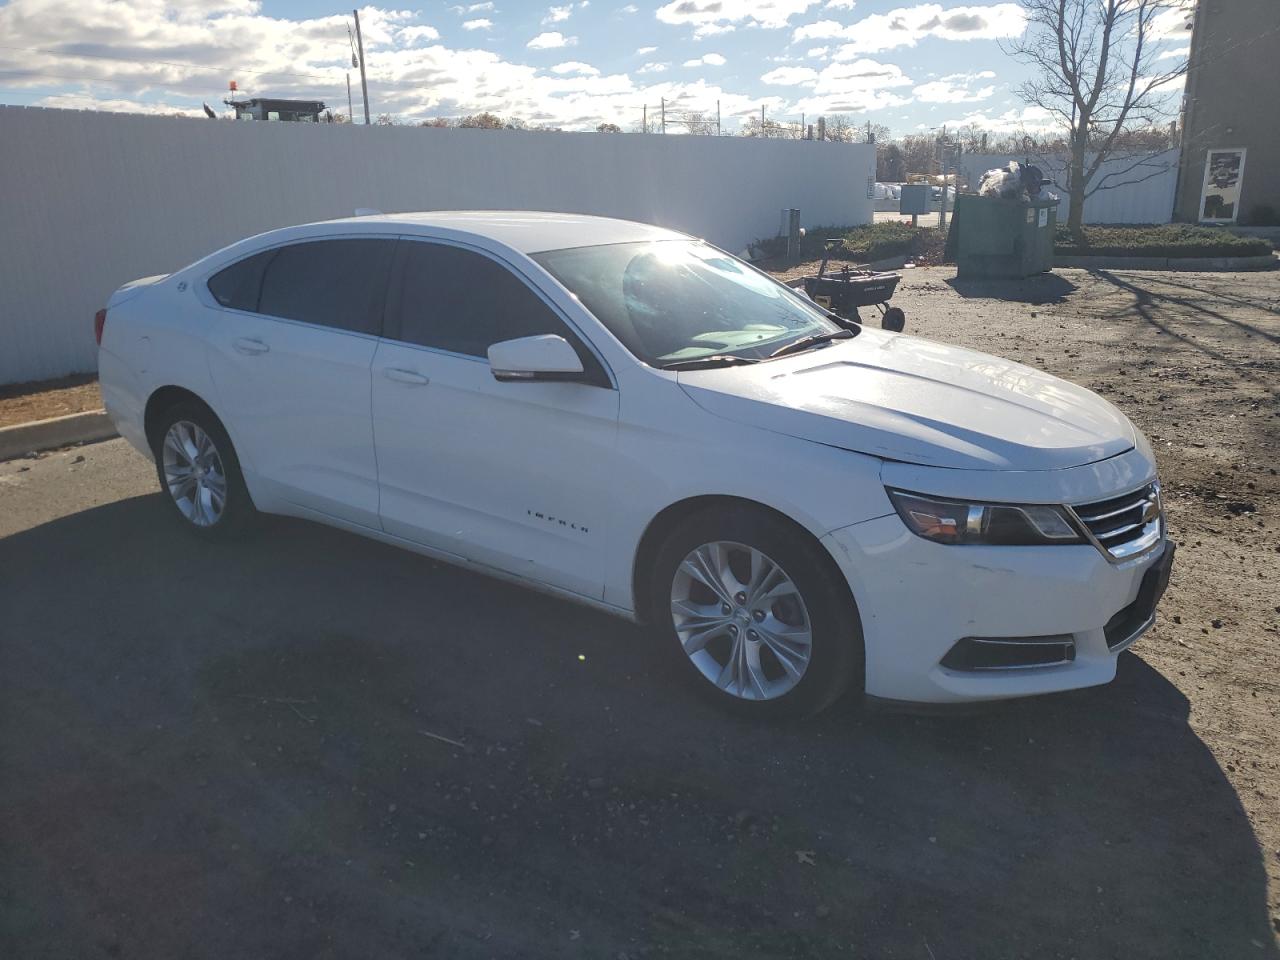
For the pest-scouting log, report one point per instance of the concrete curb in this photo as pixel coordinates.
(56, 432)
(1196, 264)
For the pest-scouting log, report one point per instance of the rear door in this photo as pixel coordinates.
(514, 475)
(291, 348)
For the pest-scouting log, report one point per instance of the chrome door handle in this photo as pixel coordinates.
(249, 346)
(406, 376)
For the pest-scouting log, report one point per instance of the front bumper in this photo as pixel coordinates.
(917, 599)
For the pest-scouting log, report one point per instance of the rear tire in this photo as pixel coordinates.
(199, 473)
(756, 613)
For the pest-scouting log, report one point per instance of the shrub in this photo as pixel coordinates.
(872, 241)
(1157, 240)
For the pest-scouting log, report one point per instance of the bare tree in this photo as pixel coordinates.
(1098, 73)
(482, 121)
(841, 128)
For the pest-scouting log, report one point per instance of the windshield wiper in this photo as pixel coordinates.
(805, 343)
(702, 363)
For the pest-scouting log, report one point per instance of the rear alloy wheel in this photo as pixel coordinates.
(756, 613)
(741, 620)
(199, 472)
(194, 473)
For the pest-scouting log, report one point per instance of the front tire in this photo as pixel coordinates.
(757, 614)
(200, 474)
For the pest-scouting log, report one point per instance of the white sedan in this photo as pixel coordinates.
(633, 419)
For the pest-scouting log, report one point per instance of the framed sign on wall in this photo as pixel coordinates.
(1223, 177)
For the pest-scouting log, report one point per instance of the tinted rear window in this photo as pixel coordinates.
(240, 285)
(332, 283)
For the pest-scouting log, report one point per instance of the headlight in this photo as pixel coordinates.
(951, 521)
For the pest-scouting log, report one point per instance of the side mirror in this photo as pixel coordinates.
(545, 357)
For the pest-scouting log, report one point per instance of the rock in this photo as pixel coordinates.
(1216, 624)
(79, 458)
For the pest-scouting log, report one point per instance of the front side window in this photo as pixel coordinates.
(331, 283)
(671, 301)
(458, 300)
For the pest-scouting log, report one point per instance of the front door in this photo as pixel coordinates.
(513, 475)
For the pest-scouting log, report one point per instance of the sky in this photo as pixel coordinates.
(572, 65)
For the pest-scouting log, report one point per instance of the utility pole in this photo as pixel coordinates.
(364, 83)
(946, 162)
(762, 133)
(717, 118)
(663, 107)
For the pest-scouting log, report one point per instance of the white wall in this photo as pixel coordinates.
(92, 200)
(1136, 189)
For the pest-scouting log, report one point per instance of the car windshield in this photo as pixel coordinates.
(672, 301)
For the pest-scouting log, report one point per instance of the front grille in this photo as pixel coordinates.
(1127, 525)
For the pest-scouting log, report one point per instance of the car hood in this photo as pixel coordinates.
(905, 398)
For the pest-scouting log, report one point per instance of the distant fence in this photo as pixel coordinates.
(93, 200)
(1136, 188)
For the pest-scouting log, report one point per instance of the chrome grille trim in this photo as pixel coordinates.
(1134, 535)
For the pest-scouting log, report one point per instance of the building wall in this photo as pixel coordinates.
(1233, 100)
(1136, 188)
(93, 200)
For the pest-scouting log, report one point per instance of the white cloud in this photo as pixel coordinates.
(410, 35)
(789, 76)
(558, 14)
(906, 26)
(1030, 119)
(712, 29)
(629, 8)
(479, 7)
(838, 5)
(413, 74)
(1174, 24)
(576, 66)
(817, 53)
(856, 87)
(707, 60)
(481, 24)
(707, 15)
(551, 41)
(956, 88)
(644, 51)
(1178, 53)
(82, 101)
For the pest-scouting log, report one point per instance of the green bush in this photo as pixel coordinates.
(873, 241)
(1163, 240)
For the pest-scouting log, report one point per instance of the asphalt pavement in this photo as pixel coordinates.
(306, 744)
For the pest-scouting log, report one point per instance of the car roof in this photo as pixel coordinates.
(528, 231)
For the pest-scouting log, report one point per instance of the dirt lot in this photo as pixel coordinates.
(24, 402)
(234, 751)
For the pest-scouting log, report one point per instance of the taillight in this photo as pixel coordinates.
(99, 321)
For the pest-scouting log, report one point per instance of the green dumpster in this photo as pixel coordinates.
(994, 237)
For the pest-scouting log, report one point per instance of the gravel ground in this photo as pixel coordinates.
(310, 745)
(24, 402)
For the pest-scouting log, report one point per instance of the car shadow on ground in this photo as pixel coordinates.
(1039, 289)
(308, 744)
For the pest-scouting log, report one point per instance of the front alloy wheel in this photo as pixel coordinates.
(741, 620)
